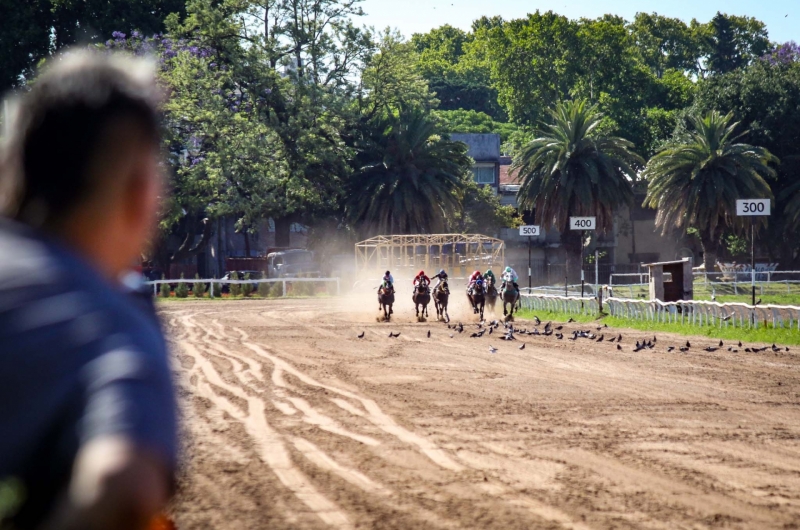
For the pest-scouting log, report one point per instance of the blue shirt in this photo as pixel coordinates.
(79, 359)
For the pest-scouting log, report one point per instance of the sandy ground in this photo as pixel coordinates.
(291, 421)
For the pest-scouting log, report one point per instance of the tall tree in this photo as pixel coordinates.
(571, 169)
(33, 29)
(665, 43)
(733, 42)
(409, 179)
(695, 182)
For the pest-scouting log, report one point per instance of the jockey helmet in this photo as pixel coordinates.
(388, 273)
(421, 273)
(442, 273)
(508, 269)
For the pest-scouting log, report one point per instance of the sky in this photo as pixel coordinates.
(419, 16)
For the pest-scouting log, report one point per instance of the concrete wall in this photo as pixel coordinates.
(648, 240)
(482, 147)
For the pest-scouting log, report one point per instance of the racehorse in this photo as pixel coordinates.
(421, 298)
(510, 297)
(385, 302)
(491, 294)
(440, 299)
(477, 298)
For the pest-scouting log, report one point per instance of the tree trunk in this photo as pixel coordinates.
(283, 227)
(710, 246)
(572, 241)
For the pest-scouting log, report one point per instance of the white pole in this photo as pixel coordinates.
(596, 273)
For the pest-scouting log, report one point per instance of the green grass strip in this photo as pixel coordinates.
(768, 335)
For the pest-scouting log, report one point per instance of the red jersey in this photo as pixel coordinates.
(475, 276)
(420, 277)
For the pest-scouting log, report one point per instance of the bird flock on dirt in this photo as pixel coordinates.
(510, 333)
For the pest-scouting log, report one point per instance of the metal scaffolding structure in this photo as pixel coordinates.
(459, 254)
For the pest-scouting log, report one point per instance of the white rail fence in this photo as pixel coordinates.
(214, 284)
(574, 305)
(695, 312)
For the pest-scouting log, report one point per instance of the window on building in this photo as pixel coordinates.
(484, 174)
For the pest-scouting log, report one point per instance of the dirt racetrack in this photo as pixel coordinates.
(291, 421)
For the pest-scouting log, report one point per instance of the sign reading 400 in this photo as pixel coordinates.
(582, 223)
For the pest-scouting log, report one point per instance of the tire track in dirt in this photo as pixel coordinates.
(271, 447)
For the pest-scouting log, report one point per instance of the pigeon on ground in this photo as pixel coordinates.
(391, 335)
(654, 339)
(490, 330)
(362, 335)
(605, 325)
(474, 336)
(602, 337)
(492, 349)
(571, 320)
(451, 335)
(548, 326)
(522, 347)
(711, 349)
(688, 345)
(429, 333)
(748, 350)
(740, 344)
(720, 344)
(670, 348)
(619, 337)
(536, 320)
(684, 349)
(619, 347)
(559, 328)
(787, 348)
(730, 348)
(560, 336)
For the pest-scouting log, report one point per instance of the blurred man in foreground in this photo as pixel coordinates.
(87, 412)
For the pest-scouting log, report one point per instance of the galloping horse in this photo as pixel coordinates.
(491, 294)
(385, 302)
(421, 298)
(510, 297)
(440, 299)
(477, 298)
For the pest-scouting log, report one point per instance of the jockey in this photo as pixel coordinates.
(388, 281)
(472, 279)
(489, 277)
(441, 277)
(419, 277)
(510, 275)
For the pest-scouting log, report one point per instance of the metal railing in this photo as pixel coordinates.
(211, 283)
(704, 313)
(575, 305)
(692, 312)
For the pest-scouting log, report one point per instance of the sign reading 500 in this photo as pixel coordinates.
(582, 223)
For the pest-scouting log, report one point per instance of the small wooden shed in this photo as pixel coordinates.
(678, 286)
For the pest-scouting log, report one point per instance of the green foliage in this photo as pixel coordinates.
(235, 289)
(696, 181)
(737, 245)
(165, 290)
(408, 179)
(199, 288)
(571, 169)
(276, 291)
(33, 29)
(182, 290)
(264, 289)
(247, 288)
(470, 121)
(481, 212)
(217, 289)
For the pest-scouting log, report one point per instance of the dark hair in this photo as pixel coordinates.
(60, 123)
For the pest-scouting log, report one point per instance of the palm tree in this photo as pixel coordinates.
(695, 182)
(409, 179)
(573, 170)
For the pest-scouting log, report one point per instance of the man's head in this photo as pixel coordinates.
(83, 153)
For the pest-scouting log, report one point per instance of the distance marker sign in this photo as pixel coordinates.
(752, 207)
(582, 223)
(529, 230)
